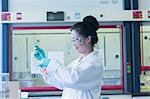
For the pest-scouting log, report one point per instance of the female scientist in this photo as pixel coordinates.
(81, 79)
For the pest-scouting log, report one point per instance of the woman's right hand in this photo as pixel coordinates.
(40, 55)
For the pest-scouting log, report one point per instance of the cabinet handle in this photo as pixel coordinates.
(117, 56)
(145, 37)
(16, 58)
(38, 41)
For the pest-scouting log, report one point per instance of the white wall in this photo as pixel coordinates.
(144, 4)
(52, 5)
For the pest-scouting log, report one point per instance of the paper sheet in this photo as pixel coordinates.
(34, 68)
(59, 55)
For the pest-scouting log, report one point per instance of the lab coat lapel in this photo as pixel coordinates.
(85, 59)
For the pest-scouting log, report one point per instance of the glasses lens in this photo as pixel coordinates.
(76, 40)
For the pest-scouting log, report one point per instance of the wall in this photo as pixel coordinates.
(52, 5)
(144, 4)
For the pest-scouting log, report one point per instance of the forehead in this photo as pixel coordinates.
(74, 34)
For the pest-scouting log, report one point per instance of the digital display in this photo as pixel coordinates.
(55, 16)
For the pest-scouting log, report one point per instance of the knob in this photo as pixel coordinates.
(38, 40)
(16, 58)
(145, 37)
(117, 56)
(101, 15)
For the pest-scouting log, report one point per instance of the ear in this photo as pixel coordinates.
(88, 40)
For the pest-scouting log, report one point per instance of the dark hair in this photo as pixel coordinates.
(88, 27)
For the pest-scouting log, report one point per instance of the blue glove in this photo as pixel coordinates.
(39, 54)
(44, 62)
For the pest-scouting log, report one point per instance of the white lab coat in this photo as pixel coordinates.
(79, 80)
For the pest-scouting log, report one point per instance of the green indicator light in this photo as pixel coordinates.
(129, 67)
(129, 71)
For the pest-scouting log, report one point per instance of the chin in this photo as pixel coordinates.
(81, 52)
(78, 51)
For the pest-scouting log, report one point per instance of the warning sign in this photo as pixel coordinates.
(137, 14)
(19, 16)
(148, 14)
(5, 16)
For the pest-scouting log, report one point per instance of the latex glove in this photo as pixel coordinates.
(44, 62)
(40, 55)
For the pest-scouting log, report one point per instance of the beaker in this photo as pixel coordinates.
(5, 87)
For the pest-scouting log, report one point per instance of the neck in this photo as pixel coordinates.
(87, 52)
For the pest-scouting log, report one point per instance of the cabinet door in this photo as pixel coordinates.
(146, 49)
(19, 54)
(112, 51)
(110, 46)
(100, 47)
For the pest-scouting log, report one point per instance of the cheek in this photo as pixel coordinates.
(79, 44)
(76, 45)
(80, 47)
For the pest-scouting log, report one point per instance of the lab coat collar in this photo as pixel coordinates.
(87, 56)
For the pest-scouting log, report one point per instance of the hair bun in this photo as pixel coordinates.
(92, 21)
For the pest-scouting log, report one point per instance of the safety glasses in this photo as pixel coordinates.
(76, 40)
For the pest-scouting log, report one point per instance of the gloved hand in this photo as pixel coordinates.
(39, 54)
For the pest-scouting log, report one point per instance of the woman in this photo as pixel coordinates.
(81, 79)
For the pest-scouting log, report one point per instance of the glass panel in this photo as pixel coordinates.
(58, 40)
(110, 44)
(145, 58)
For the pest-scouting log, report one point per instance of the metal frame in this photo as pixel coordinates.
(127, 50)
(127, 57)
(132, 51)
(135, 51)
(4, 40)
(135, 58)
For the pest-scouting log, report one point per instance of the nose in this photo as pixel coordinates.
(73, 43)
